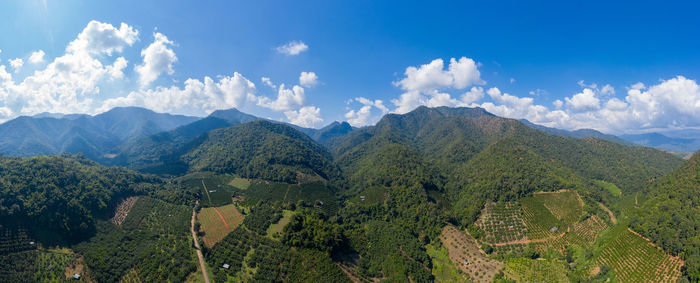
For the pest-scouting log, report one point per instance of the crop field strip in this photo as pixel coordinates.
(217, 222)
(502, 222)
(582, 234)
(530, 270)
(634, 259)
(463, 248)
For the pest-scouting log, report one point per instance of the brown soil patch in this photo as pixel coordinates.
(610, 213)
(123, 210)
(462, 249)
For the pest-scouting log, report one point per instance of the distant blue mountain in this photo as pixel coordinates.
(94, 136)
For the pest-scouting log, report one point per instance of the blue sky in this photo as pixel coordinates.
(548, 62)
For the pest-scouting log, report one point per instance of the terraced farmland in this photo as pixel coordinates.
(502, 222)
(466, 255)
(539, 220)
(217, 222)
(634, 259)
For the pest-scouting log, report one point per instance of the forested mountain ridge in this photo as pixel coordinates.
(671, 215)
(94, 136)
(261, 149)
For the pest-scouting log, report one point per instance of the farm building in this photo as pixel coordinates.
(226, 265)
(76, 276)
(553, 229)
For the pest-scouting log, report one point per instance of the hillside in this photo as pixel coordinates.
(261, 149)
(671, 214)
(94, 136)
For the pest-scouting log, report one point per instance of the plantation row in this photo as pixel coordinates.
(158, 216)
(463, 249)
(501, 222)
(633, 259)
(14, 240)
(539, 220)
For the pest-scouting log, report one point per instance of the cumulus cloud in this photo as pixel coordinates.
(293, 48)
(586, 100)
(307, 116)
(158, 58)
(16, 64)
(308, 79)
(71, 82)
(365, 115)
(268, 82)
(197, 97)
(287, 99)
(103, 38)
(37, 57)
(607, 90)
(425, 84)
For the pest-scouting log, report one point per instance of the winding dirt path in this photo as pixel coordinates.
(221, 217)
(198, 249)
(610, 213)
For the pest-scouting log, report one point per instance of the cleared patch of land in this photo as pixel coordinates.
(464, 253)
(279, 226)
(635, 259)
(565, 205)
(217, 222)
(612, 188)
(443, 268)
(123, 210)
(241, 183)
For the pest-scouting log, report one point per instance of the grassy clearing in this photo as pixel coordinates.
(612, 188)
(462, 249)
(276, 228)
(241, 183)
(443, 269)
(564, 205)
(217, 222)
(634, 259)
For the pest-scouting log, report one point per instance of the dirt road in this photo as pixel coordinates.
(198, 249)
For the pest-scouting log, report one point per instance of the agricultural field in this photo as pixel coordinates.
(634, 259)
(539, 220)
(566, 206)
(531, 270)
(292, 193)
(217, 222)
(464, 253)
(582, 234)
(502, 222)
(444, 269)
(214, 189)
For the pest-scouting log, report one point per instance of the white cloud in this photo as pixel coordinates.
(364, 116)
(16, 64)
(268, 82)
(103, 38)
(287, 99)
(307, 116)
(460, 74)
(308, 79)
(37, 57)
(607, 90)
(71, 83)
(558, 104)
(293, 48)
(583, 101)
(158, 58)
(196, 98)
(423, 84)
(512, 80)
